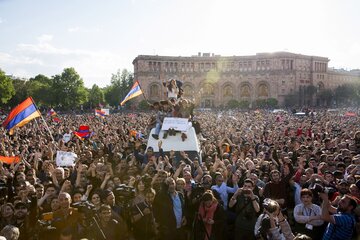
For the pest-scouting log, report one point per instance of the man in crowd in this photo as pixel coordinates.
(341, 219)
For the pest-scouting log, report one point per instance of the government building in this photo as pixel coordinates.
(213, 80)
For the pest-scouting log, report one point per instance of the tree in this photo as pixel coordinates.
(244, 104)
(6, 88)
(96, 96)
(233, 103)
(260, 103)
(121, 82)
(325, 96)
(68, 89)
(272, 102)
(309, 94)
(39, 88)
(144, 105)
(291, 100)
(21, 92)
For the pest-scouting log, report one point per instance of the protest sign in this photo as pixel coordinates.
(179, 124)
(65, 159)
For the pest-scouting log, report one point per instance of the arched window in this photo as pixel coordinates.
(245, 91)
(154, 91)
(228, 91)
(263, 90)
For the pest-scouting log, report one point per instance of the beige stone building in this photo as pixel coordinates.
(213, 80)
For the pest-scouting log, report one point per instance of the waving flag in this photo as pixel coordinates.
(21, 115)
(56, 119)
(9, 160)
(99, 113)
(83, 132)
(51, 112)
(134, 92)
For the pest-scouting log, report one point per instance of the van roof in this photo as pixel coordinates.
(175, 142)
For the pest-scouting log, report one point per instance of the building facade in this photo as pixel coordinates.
(213, 80)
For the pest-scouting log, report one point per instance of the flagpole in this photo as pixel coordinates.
(142, 91)
(47, 127)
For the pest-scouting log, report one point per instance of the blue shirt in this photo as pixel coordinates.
(342, 229)
(177, 208)
(224, 191)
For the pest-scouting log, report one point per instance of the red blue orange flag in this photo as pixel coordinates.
(99, 113)
(134, 92)
(21, 115)
(51, 112)
(83, 132)
(9, 160)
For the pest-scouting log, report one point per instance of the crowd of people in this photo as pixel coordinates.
(260, 175)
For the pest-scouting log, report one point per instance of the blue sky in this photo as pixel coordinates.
(98, 37)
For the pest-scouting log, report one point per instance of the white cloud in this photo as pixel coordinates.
(7, 59)
(45, 38)
(1, 21)
(73, 29)
(94, 66)
(77, 29)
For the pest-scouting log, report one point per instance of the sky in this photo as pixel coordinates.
(99, 37)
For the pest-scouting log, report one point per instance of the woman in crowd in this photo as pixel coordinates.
(308, 216)
(7, 215)
(211, 218)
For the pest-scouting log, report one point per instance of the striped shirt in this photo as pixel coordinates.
(342, 229)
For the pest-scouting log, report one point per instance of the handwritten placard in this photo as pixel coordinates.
(65, 159)
(179, 124)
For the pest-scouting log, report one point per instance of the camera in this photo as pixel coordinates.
(318, 188)
(84, 207)
(124, 193)
(197, 190)
(270, 205)
(246, 191)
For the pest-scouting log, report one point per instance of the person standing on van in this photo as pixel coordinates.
(164, 112)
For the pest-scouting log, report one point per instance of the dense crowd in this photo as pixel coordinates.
(260, 175)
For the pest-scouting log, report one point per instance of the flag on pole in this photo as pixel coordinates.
(21, 115)
(99, 113)
(134, 92)
(56, 119)
(51, 112)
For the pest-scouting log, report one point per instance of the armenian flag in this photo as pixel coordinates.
(56, 119)
(99, 113)
(21, 115)
(134, 92)
(9, 160)
(51, 112)
(83, 132)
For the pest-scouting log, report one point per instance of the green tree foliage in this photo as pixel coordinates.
(244, 104)
(291, 100)
(68, 89)
(326, 96)
(272, 102)
(233, 103)
(6, 88)
(121, 82)
(143, 105)
(96, 96)
(345, 94)
(21, 92)
(310, 91)
(39, 88)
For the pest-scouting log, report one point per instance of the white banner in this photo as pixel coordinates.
(65, 159)
(179, 124)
